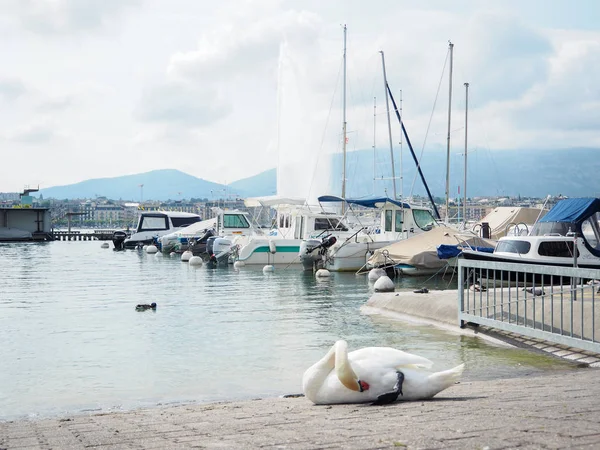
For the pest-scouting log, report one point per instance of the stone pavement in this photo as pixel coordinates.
(552, 411)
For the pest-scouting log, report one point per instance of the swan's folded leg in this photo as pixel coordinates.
(391, 397)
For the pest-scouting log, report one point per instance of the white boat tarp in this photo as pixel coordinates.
(501, 218)
(273, 200)
(420, 251)
(195, 229)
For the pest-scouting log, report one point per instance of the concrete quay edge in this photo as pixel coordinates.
(440, 309)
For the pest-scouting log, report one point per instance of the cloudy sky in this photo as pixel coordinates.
(102, 88)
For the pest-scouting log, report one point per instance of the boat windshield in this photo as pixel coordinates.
(322, 223)
(423, 219)
(591, 231)
(235, 221)
(154, 222)
(513, 246)
(552, 228)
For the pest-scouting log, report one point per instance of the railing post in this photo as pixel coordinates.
(461, 293)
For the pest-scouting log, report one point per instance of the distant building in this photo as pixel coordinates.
(109, 213)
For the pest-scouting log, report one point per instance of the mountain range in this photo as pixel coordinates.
(528, 173)
(165, 184)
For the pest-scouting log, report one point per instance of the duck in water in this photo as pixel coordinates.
(144, 307)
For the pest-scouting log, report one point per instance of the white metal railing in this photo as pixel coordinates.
(556, 304)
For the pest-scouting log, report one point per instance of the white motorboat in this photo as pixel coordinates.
(397, 221)
(568, 235)
(226, 223)
(151, 225)
(294, 222)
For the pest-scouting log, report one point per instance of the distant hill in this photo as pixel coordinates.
(529, 173)
(263, 184)
(157, 185)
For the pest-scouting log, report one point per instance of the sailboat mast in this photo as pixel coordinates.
(466, 126)
(387, 105)
(344, 138)
(374, 141)
(448, 139)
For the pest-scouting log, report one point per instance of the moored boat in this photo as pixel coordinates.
(567, 236)
(151, 225)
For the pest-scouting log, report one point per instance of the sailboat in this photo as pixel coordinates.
(397, 219)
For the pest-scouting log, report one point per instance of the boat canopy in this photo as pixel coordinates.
(572, 210)
(502, 217)
(371, 202)
(273, 201)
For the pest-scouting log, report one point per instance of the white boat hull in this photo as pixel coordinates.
(352, 256)
(259, 252)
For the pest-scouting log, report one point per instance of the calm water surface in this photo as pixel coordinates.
(71, 340)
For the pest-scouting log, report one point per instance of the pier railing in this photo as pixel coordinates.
(556, 304)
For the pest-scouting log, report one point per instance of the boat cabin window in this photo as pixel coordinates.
(558, 249)
(591, 231)
(399, 219)
(423, 219)
(513, 246)
(322, 223)
(184, 221)
(153, 223)
(235, 221)
(388, 220)
(284, 221)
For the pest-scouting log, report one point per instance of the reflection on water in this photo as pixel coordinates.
(71, 339)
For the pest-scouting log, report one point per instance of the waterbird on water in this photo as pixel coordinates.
(144, 307)
(377, 375)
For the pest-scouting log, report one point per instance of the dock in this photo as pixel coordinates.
(95, 235)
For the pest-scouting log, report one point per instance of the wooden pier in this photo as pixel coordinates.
(95, 235)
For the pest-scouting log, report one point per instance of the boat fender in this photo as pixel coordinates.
(384, 284)
(322, 273)
(195, 261)
(272, 247)
(268, 269)
(376, 274)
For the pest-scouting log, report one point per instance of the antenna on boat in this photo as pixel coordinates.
(466, 124)
(451, 49)
(387, 106)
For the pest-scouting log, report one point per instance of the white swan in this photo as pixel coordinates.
(373, 375)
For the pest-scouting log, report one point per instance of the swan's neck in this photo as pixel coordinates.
(343, 369)
(315, 376)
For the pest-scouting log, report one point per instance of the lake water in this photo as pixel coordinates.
(72, 341)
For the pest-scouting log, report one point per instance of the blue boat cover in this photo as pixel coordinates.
(572, 210)
(371, 202)
(447, 251)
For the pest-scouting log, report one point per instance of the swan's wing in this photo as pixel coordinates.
(390, 357)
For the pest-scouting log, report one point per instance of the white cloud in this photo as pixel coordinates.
(233, 50)
(66, 16)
